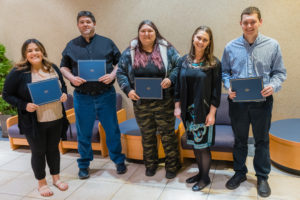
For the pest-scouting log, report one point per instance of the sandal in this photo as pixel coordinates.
(62, 186)
(45, 191)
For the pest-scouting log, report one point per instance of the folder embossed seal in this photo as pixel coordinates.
(91, 70)
(148, 88)
(46, 91)
(247, 89)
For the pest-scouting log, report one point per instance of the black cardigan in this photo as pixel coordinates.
(210, 96)
(16, 93)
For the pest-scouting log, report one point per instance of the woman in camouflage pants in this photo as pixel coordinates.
(150, 55)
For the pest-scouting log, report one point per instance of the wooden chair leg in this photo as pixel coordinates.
(12, 145)
(104, 149)
(61, 149)
(181, 158)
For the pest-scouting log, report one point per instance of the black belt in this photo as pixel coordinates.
(93, 93)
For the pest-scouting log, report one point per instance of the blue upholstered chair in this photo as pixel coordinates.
(98, 137)
(132, 140)
(16, 139)
(224, 140)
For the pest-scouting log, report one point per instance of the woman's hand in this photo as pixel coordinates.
(31, 107)
(133, 96)
(166, 83)
(177, 110)
(177, 113)
(231, 94)
(63, 97)
(210, 119)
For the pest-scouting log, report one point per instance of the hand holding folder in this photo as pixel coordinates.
(46, 91)
(91, 70)
(247, 89)
(148, 88)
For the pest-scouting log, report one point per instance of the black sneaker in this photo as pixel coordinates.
(263, 188)
(150, 171)
(83, 173)
(235, 181)
(121, 168)
(170, 175)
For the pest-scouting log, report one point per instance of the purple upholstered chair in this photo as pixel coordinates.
(224, 139)
(132, 140)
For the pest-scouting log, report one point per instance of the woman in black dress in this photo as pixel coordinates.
(197, 96)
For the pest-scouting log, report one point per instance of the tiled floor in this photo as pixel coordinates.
(17, 181)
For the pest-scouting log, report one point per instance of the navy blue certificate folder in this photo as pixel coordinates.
(43, 92)
(91, 70)
(148, 88)
(247, 89)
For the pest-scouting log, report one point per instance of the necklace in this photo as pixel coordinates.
(198, 65)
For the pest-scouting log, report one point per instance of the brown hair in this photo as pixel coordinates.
(24, 64)
(251, 10)
(209, 51)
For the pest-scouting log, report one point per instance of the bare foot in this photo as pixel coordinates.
(45, 191)
(62, 186)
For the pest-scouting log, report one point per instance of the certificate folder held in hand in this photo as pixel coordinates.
(148, 88)
(91, 70)
(247, 89)
(43, 92)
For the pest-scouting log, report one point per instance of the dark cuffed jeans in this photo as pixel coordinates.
(258, 114)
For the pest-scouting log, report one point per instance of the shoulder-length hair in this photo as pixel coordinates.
(23, 64)
(141, 58)
(208, 52)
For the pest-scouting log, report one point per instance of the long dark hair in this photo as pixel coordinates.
(209, 51)
(24, 64)
(140, 58)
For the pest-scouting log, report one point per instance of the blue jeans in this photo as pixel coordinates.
(87, 107)
(258, 114)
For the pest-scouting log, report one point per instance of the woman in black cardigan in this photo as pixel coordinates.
(42, 125)
(197, 96)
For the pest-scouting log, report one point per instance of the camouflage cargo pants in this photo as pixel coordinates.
(156, 116)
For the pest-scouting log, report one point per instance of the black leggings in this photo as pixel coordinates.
(45, 147)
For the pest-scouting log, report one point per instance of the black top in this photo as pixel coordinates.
(201, 87)
(99, 48)
(16, 93)
(150, 70)
(195, 79)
